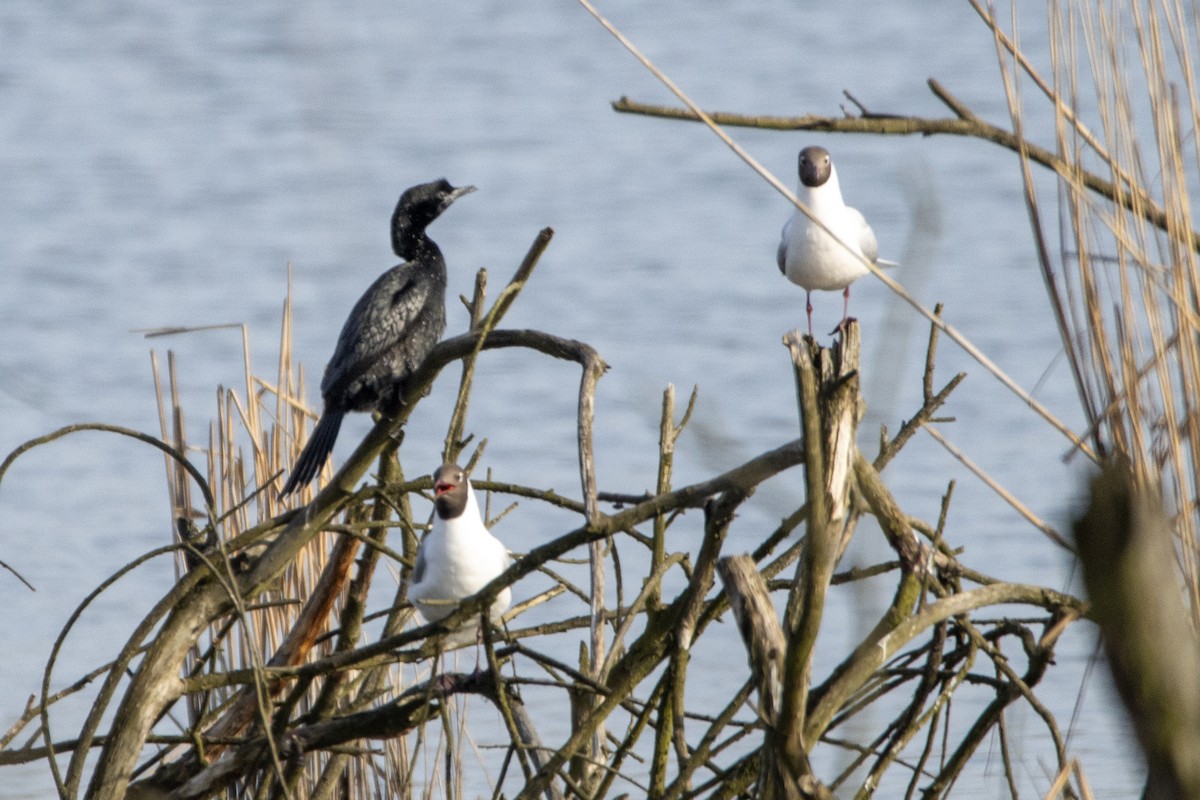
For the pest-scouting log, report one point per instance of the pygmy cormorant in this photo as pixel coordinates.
(391, 329)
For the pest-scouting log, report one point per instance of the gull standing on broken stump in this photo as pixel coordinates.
(459, 555)
(390, 330)
(809, 256)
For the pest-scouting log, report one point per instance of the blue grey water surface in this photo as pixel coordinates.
(163, 164)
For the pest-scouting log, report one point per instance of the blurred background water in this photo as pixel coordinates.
(163, 164)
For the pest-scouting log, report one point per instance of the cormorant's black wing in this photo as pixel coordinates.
(380, 320)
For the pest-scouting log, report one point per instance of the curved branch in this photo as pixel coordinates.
(173, 452)
(875, 651)
(117, 669)
(446, 352)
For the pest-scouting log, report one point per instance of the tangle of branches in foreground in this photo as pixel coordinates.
(270, 669)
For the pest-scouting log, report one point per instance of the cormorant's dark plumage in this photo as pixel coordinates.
(391, 329)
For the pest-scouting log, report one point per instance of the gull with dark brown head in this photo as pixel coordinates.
(459, 555)
(808, 255)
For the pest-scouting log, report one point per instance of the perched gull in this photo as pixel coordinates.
(809, 256)
(459, 556)
(390, 330)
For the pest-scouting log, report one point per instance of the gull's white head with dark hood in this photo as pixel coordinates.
(459, 555)
(808, 255)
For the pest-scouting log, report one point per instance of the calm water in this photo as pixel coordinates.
(163, 166)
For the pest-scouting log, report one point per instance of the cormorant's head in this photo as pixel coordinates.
(815, 166)
(418, 207)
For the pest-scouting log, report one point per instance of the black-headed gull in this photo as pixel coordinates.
(459, 555)
(809, 256)
(390, 330)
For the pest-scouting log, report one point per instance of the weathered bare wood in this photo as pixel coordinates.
(660, 752)
(842, 408)
(892, 519)
(759, 626)
(827, 386)
(763, 637)
(413, 708)
(883, 643)
(662, 630)
(1127, 550)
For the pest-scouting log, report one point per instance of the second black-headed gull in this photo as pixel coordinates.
(809, 256)
(459, 555)
(390, 330)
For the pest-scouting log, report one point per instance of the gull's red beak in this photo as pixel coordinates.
(441, 487)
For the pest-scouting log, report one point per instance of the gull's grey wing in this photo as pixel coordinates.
(866, 238)
(784, 238)
(418, 572)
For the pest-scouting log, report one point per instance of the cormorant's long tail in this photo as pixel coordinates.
(312, 458)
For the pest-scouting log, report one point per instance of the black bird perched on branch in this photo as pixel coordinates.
(391, 329)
